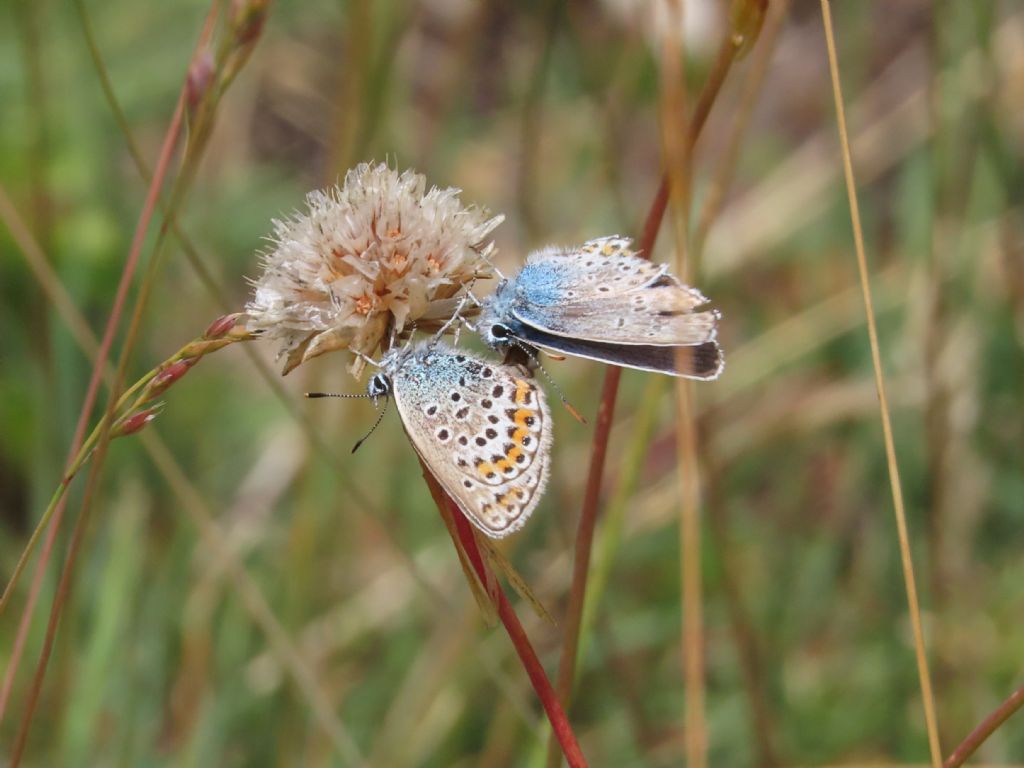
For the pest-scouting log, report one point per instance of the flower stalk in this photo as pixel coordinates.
(133, 411)
(466, 544)
(741, 35)
(196, 97)
(56, 512)
(985, 728)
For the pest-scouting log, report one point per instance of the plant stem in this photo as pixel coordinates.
(534, 669)
(606, 410)
(985, 728)
(714, 197)
(609, 538)
(281, 644)
(55, 501)
(92, 391)
(883, 403)
(677, 153)
(56, 511)
(138, 239)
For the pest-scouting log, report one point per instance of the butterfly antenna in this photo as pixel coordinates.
(376, 424)
(316, 395)
(535, 356)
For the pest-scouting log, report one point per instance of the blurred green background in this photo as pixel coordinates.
(546, 112)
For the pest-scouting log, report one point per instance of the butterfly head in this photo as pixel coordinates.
(379, 385)
(493, 322)
(496, 335)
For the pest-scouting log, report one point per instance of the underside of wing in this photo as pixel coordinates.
(660, 316)
(607, 262)
(703, 362)
(603, 292)
(488, 448)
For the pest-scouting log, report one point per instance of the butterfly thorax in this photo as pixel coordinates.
(538, 284)
(426, 366)
(394, 359)
(543, 283)
(398, 363)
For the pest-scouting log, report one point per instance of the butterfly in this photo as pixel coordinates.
(483, 429)
(603, 302)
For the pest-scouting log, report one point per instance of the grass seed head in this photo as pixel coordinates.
(133, 422)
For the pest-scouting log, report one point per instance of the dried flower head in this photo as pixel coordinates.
(377, 254)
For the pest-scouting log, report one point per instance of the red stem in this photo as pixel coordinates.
(90, 397)
(538, 677)
(595, 477)
(609, 395)
(585, 535)
(986, 728)
(653, 221)
(127, 273)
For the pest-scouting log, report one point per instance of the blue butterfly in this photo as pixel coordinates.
(482, 428)
(603, 302)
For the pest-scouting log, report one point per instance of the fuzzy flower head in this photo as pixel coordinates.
(367, 259)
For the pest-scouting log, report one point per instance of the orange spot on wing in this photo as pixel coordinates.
(523, 389)
(521, 415)
(485, 468)
(506, 500)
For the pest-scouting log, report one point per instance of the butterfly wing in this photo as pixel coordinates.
(603, 302)
(483, 430)
(604, 292)
(703, 362)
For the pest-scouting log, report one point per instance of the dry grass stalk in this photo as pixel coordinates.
(883, 403)
(282, 648)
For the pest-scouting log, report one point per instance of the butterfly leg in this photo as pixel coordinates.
(456, 319)
(365, 358)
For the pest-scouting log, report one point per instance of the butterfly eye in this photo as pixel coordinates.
(379, 385)
(499, 332)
